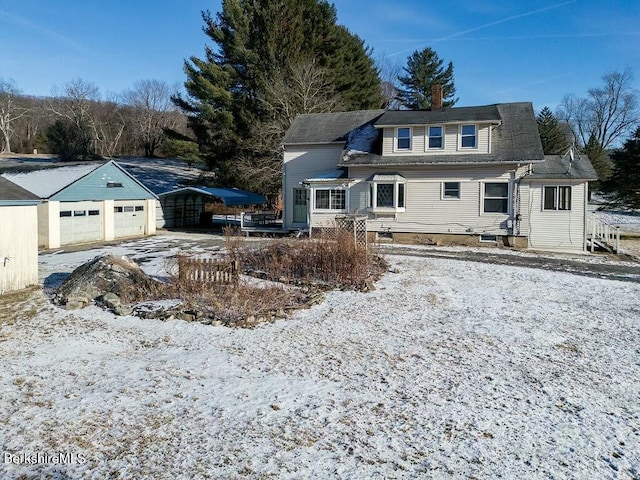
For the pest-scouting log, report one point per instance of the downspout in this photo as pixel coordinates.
(517, 216)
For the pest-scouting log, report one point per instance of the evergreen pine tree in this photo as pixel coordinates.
(554, 140)
(423, 70)
(599, 159)
(624, 183)
(257, 42)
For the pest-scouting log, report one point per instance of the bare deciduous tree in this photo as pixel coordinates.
(303, 88)
(607, 114)
(76, 103)
(152, 112)
(389, 73)
(10, 111)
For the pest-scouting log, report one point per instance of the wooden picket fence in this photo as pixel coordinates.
(208, 270)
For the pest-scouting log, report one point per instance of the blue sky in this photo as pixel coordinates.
(502, 50)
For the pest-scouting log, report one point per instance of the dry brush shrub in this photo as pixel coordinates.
(329, 261)
(240, 303)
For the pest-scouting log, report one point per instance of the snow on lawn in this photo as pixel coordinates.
(449, 369)
(628, 222)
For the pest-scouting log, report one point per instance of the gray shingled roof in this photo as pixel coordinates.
(514, 140)
(485, 113)
(9, 191)
(318, 128)
(562, 167)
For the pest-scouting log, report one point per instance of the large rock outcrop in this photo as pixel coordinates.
(111, 279)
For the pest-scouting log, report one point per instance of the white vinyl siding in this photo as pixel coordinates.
(426, 211)
(556, 229)
(301, 162)
(451, 141)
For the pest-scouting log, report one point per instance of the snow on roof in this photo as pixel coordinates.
(45, 183)
(327, 176)
(362, 139)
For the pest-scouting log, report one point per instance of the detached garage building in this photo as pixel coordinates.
(18, 237)
(88, 203)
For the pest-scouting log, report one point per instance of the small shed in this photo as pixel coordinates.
(184, 207)
(18, 237)
(88, 203)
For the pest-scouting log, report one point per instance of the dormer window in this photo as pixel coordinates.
(403, 138)
(468, 136)
(436, 140)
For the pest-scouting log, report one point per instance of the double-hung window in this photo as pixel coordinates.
(451, 190)
(468, 136)
(403, 139)
(387, 193)
(496, 198)
(436, 138)
(330, 199)
(556, 198)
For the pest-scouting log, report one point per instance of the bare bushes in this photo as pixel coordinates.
(326, 263)
(280, 276)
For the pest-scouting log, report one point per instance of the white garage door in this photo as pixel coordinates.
(129, 218)
(80, 222)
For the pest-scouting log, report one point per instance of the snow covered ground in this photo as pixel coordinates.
(450, 369)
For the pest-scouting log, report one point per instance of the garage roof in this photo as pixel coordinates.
(12, 194)
(229, 196)
(92, 181)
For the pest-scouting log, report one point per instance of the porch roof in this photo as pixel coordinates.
(229, 196)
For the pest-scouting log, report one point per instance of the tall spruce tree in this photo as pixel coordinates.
(423, 70)
(624, 183)
(259, 44)
(554, 140)
(599, 159)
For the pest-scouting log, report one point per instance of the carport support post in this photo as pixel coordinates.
(150, 212)
(108, 219)
(49, 224)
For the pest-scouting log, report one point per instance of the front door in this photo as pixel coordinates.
(300, 205)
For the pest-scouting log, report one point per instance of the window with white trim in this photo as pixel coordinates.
(450, 190)
(556, 198)
(468, 136)
(387, 196)
(330, 199)
(435, 140)
(403, 138)
(496, 198)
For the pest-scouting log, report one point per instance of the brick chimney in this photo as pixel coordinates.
(436, 97)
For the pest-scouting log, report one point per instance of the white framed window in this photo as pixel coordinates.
(387, 193)
(556, 198)
(435, 137)
(403, 138)
(495, 197)
(450, 190)
(330, 199)
(468, 136)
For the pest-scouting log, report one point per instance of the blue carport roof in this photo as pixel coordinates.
(229, 196)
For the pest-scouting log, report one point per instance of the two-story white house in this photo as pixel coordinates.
(465, 175)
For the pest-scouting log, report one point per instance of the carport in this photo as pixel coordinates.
(185, 207)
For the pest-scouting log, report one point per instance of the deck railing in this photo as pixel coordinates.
(598, 231)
